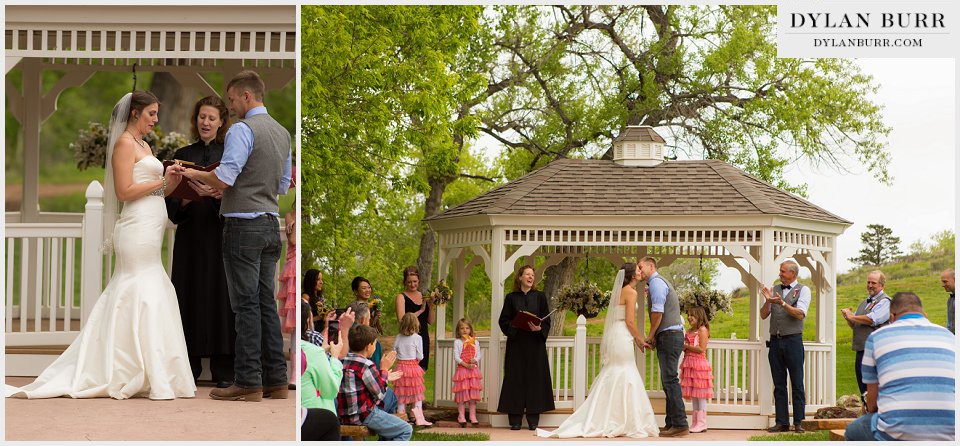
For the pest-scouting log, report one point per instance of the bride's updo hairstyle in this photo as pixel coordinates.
(629, 272)
(138, 101)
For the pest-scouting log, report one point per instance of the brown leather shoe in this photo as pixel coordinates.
(278, 392)
(798, 429)
(778, 428)
(234, 393)
(676, 432)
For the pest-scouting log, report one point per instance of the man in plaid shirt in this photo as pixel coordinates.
(364, 386)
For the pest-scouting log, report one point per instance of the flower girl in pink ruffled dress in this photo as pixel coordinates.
(467, 380)
(696, 374)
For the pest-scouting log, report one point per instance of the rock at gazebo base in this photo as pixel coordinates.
(831, 413)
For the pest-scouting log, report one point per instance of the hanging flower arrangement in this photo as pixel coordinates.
(583, 298)
(89, 149)
(712, 301)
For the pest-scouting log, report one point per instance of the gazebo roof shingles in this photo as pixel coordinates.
(577, 187)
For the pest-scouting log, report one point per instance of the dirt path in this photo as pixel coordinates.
(14, 193)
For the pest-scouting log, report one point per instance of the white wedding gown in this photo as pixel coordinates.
(132, 344)
(617, 405)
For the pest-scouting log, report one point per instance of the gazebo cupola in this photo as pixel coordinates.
(638, 145)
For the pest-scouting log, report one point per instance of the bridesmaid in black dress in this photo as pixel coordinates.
(527, 387)
(208, 321)
(412, 301)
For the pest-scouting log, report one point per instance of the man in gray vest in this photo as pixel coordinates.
(666, 336)
(255, 168)
(948, 280)
(787, 307)
(872, 313)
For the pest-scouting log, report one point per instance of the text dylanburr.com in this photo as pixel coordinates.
(845, 29)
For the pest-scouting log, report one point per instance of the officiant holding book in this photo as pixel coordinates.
(527, 387)
(197, 273)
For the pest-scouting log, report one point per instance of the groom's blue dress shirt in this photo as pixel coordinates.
(658, 297)
(237, 146)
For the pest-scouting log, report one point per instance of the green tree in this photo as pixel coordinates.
(879, 246)
(400, 104)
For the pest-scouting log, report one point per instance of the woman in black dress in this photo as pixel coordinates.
(412, 301)
(526, 372)
(208, 321)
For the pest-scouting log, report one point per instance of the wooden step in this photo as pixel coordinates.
(358, 432)
(837, 435)
(826, 424)
(55, 350)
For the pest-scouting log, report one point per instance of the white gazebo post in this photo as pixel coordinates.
(496, 272)
(768, 273)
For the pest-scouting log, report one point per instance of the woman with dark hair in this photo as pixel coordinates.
(527, 387)
(132, 342)
(197, 274)
(411, 300)
(312, 293)
(363, 292)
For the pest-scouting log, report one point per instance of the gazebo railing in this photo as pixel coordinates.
(52, 268)
(736, 372)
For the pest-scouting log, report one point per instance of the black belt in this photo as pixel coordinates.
(264, 216)
(780, 336)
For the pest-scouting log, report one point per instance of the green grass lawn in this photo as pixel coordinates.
(806, 436)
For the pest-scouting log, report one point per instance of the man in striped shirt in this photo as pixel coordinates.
(908, 367)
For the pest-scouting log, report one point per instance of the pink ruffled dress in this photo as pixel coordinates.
(287, 295)
(409, 388)
(696, 374)
(467, 382)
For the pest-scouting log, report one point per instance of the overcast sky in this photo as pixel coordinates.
(918, 97)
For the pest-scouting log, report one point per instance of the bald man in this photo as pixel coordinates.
(872, 313)
(948, 281)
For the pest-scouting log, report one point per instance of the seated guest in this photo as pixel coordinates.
(322, 371)
(365, 385)
(908, 367)
(319, 425)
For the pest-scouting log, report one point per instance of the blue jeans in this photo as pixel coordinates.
(390, 401)
(786, 355)
(251, 249)
(387, 426)
(858, 369)
(669, 347)
(861, 429)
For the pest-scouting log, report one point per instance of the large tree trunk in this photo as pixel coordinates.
(555, 278)
(428, 241)
(176, 104)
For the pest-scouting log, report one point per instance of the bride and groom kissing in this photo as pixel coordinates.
(133, 342)
(618, 404)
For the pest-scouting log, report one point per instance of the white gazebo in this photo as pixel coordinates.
(637, 205)
(43, 248)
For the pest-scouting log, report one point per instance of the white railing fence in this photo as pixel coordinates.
(56, 271)
(53, 275)
(736, 372)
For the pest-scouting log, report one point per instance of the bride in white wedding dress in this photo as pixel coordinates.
(617, 405)
(132, 344)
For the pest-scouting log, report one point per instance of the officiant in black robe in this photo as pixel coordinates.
(198, 275)
(527, 387)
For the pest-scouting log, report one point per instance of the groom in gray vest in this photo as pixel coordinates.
(872, 313)
(666, 336)
(787, 308)
(255, 168)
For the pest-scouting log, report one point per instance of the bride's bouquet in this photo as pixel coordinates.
(583, 298)
(441, 293)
